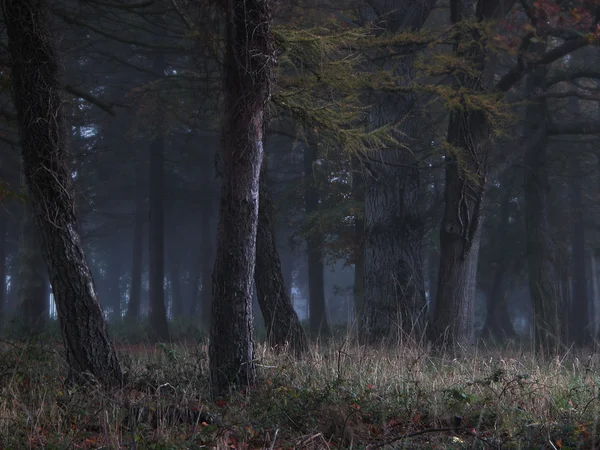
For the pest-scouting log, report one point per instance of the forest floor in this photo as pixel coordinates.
(340, 396)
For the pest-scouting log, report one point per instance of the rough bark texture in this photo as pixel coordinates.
(394, 290)
(249, 65)
(545, 293)
(315, 242)
(159, 327)
(281, 321)
(44, 142)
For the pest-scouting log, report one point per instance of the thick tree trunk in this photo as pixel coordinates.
(394, 290)
(135, 288)
(315, 242)
(33, 276)
(44, 140)
(248, 76)
(281, 321)
(545, 292)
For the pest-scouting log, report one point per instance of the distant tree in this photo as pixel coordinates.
(35, 65)
(249, 62)
(281, 321)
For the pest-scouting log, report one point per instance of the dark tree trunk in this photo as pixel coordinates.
(135, 288)
(498, 325)
(315, 243)
(545, 292)
(281, 321)
(177, 307)
(358, 196)
(468, 141)
(114, 282)
(579, 314)
(394, 290)
(159, 327)
(33, 276)
(248, 75)
(3, 254)
(207, 264)
(44, 148)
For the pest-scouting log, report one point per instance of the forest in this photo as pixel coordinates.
(240, 224)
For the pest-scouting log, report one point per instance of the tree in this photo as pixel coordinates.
(281, 321)
(249, 63)
(35, 65)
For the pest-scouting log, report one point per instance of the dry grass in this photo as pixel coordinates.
(342, 395)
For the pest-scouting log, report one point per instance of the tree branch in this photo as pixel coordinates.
(91, 99)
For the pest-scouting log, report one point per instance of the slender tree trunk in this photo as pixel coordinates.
(315, 243)
(135, 288)
(176, 291)
(207, 264)
(159, 327)
(358, 196)
(579, 317)
(545, 292)
(248, 76)
(281, 321)
(44, 148)
(114, 282)
(3, 255)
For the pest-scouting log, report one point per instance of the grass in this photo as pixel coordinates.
(341, 396)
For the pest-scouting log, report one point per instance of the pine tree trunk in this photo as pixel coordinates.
(248, 76)
(207, 264)
(176, 291)
(3, 254)
(545, 292)
(281, 321)
(318, 324)
(44, 148)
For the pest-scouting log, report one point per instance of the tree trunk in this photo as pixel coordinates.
(543, 280)
(394, 290)
(315, 242)
(3, 254)
(33, 276)
(44, 141)
(159, 327)
(248, 76)
(135, 288)
(358, 196)
(281, 321)
(207, 264)
(579, 317)
(176, 291)
(468, 141)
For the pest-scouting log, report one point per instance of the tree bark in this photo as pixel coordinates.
(3, 254)
(545, 293)
(315, 241)
(249, 65)
(44, 147)
(394, 289)
(281, 321)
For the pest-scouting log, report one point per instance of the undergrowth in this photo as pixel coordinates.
(340, 396)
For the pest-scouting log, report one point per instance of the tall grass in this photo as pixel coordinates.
(342, 395)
